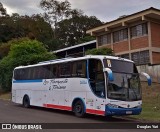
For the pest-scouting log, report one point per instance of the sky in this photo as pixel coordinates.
(105, 10)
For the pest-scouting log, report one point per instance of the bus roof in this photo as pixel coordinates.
(101, 57)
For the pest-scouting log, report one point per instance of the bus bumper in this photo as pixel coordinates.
(109, 111)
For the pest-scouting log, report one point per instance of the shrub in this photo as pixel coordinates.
(101, 51)
(22, 52)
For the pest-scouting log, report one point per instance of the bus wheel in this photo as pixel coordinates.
(26, 101)
(79, 109)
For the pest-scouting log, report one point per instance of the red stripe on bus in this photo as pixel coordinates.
(61, 107)
(97, 112)
(57, 107)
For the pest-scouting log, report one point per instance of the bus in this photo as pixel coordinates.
(94, 84)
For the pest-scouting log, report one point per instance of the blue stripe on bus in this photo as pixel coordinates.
(26, 81)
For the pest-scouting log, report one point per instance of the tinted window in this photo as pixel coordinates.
(69, 69)
(120, 66)
(81, 69)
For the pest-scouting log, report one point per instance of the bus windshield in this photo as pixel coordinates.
(126, 84)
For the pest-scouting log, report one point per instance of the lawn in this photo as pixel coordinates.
(5, 96)
(151, 103)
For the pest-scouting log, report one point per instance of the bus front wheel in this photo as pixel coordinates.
(79, 109)
(26, 101)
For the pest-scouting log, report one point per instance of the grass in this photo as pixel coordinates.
(5, 95)
(150, 103)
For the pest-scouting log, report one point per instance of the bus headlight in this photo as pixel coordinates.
(139, 106)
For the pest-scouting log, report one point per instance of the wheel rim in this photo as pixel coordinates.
(25, 102)
(78, 108)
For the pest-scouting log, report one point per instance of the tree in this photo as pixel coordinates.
(73, 31)
(3, 11)
(100, 51)
(55, 11)
(4, 49)
(22, 52)
(33, 27)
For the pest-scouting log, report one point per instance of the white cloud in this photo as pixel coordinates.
(108, 10)
(105, 10)
(23, 7)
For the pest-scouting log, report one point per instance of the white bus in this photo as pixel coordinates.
(101, 85)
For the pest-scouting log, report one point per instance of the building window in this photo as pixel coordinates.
(141, 57)
(120, 35)
(104, 39)
(139, 30)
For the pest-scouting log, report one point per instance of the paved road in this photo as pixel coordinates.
(13, 113)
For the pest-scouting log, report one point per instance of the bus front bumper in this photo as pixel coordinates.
(110, 111)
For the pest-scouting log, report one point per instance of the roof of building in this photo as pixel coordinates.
(75, 46)
(147, 14)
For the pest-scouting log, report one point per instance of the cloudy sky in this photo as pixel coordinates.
(105, 10)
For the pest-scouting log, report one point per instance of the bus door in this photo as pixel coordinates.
(97, 84)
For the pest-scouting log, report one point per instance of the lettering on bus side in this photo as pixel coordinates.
(56, 83)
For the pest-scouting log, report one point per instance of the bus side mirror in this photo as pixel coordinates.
(148, 78)
(110, 73)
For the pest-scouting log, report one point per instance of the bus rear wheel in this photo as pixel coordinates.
(79, 109)
(26, 101)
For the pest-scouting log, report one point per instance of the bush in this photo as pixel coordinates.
(101, 51)
(22, 52)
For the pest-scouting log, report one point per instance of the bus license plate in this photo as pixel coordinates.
(128, 112)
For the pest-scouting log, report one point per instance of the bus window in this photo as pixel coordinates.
(96, 77)
(74, 69)
(81, 69)
(47, 71)
(54, 71)
(65, 70)
(16, 74)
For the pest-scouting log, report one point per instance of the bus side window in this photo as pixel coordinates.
(65, 70)
(54, 71)
(32, 73)
(74, 69)
(16, 75)
(21, 74)
(46, 70)
(81, 69)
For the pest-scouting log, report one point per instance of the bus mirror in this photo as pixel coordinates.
(110, 73)
(148, 78)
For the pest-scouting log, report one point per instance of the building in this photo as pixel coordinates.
(136, 37)
(76, 50)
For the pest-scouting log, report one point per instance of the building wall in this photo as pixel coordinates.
(139, 42)
(156, 58)
(105, 46)
(155, 34)
(120, 46)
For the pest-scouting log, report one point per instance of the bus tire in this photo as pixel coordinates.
(78, 108)
(26, 101)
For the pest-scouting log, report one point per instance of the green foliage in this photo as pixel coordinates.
(73, 31)
(4, 49)
(33, 27)
(22, 52)
(3, 11)
(101, 51)
(86, 38)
